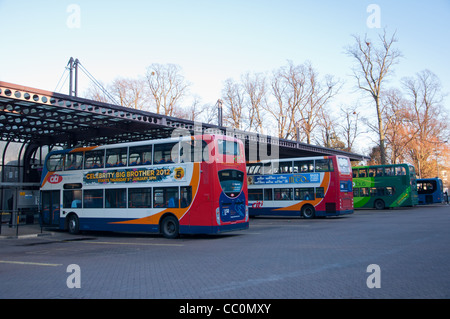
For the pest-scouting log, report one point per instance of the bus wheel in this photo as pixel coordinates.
(170, 227)
(73, 224)
(379, 204)
(308, 212)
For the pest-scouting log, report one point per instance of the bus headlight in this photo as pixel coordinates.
(246, 213)
(218, 215)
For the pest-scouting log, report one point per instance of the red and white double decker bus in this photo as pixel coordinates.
(307, 186)
(171, 186)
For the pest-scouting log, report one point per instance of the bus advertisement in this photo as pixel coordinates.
(384, 186)
(309, 187)
(171, 186)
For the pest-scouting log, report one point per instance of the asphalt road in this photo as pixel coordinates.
(400, 253)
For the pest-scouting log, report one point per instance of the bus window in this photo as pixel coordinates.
(267, 168)
(116, 157)
(425, 187)
(324, 165)
(284, 167)
(372, 172)
(229, 148)
(304, 193)
(364, 192)
(254, 169)
(166, 153)
(390, 191)
(74, 161)
(165, 197)
(72, 198)
(400, 171)
(255, 194)
(283, 193)
(140, 197)
(380, 171)
(140, 155)
(172, 195)
(344, 165)
(94, 159)
(193, 151)
(320, 192)
(304, 166)
(268, 194)
(115, 198)
(55, 162)
(158, 198)
(93, 198)
(231, 182)
(185, 196)
(388, 171)
(363, 172)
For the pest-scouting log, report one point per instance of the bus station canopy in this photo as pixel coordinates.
(30, 115)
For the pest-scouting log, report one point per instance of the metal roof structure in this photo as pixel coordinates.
(31, 115)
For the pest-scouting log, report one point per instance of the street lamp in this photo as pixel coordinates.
(436, 153)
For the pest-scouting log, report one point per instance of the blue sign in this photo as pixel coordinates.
(285, 179)
(232, 209)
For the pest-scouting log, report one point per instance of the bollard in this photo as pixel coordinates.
(17, 222)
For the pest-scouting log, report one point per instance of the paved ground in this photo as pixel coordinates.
(276, 258)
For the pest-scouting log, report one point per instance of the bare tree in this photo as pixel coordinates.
(425, 97)
(209, 113)
(289, 88)
(130, 93)
(348, 125)
(233, 98)
(255, 89)
(94, 92)
(300, 96)
(373, 67)
(320, 92)
(399, 131)
(327, 125)
(167, 86)
(197, 111)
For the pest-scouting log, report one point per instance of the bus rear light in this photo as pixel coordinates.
(218, 215)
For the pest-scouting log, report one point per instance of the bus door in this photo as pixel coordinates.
(50, 205)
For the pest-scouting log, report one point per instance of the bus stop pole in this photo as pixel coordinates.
(16, 218)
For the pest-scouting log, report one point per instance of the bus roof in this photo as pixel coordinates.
(295, 159)
(385, 165)
(205, 137)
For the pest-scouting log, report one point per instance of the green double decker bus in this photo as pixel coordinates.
(384, 186)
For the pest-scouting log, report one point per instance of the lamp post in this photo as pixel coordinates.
(437, 153)
(220, 112)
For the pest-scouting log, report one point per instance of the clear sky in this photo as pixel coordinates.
(212, 40)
